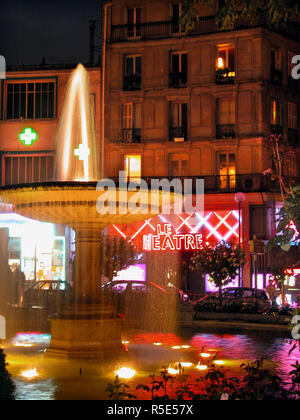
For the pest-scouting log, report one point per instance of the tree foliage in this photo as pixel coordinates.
(288, 218)
(220, 262)
(7, 387)
(278, 11)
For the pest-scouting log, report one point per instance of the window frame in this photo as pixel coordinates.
(27, 82)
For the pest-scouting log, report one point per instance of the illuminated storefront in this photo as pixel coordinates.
(35, 247)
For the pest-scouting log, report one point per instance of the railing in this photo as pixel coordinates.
(205, 25)
(276, 76)
(225, 131)
(178, 80)
(178, 134)
(249, 183)
(132, 82)
(293, 136)
(225, 77)
(132, 135)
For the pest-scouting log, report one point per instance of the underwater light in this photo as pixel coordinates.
(30, 374)
(26, 345)
(125, 373)
(219, 362)
(205, 355)
(185, 346)
(125, 342)
(201, 367)
(172, 371)
(176, 347)
(186, 364)
(157, 344)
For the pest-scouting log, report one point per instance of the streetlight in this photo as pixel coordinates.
(240, 198)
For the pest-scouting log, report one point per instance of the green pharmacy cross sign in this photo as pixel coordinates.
(28, 136)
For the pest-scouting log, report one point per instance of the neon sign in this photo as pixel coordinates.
(166, 240)
(28, 136)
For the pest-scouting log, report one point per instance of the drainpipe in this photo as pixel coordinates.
(106, 6)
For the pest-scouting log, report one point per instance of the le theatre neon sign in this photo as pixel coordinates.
(166, 240)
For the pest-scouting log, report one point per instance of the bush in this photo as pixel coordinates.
(7, 387)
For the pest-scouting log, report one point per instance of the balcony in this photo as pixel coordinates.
(276, 129)
(205, 25)
(132, 135)
(225, 77)
(276, 76)
(225, 131)
(178, 80)
(132, 82)
(220, 184)
(293, 136)
(178, 134)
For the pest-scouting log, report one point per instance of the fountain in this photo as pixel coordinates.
(85, 327)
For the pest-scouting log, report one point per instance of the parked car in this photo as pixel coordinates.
(47, 295)
(239, 294)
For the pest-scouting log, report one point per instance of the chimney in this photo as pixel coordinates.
(92, 41)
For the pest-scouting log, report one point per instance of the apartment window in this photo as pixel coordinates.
(225, 118)
(179, 165)
(133, 72)
(276, 66)
(30, 100)
(132, 123)
(133, 167)
(176, 13)
(293, 133)
(227, 171)
(134, 20)
(178, 75)
(178, 122)
(293, 84)
(225, 69)
(276, 116)
(27, 169)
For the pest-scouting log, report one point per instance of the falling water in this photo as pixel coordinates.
(77, 155)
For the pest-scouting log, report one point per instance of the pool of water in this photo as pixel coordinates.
(60, 379)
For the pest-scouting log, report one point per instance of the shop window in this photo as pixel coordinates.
(20, 169)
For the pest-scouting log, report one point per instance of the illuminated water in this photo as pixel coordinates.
(61, 380)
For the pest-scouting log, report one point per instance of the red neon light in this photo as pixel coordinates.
(165, 240)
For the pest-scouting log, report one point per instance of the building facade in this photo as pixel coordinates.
(200, 104)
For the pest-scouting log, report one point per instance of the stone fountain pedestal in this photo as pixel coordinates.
(86, 327)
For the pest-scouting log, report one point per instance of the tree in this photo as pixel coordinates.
(117, 254)
(278, 11)
(288, 218)
(7, 387)
(279, 277)
(221, 262)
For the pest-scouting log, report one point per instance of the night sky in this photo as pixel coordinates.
(54, 29)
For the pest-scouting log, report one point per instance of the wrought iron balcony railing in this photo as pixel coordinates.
(293, 136)
(225, 77)
(204, 25)
(132, 135)
(276, 76)
(218, 184)
(225, 131)
(132, 82)
(178, 134)
(178, 80)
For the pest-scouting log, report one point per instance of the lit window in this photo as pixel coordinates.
(227, 170)
(276, 112)
(133, 167)
(226, 58)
